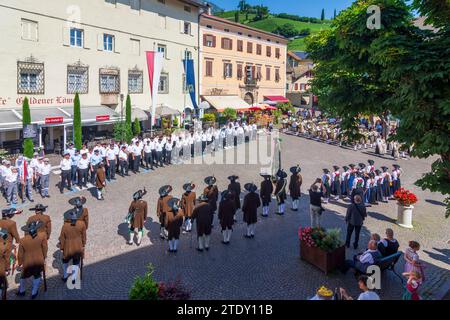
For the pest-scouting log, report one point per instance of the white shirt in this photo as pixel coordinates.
(116, 150)
(83, 163)
(366, 257)
(159, 147)
(368, 295)
(3, 170)
(123, 155)
(66, 164)
(168, 146)
(71, 151)
(136, 150)
(110, 154)
(148, 148)
(46, 169)
(34, 162)
(11, 176)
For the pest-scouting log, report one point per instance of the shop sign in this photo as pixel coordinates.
(54, 120)
(102, 118)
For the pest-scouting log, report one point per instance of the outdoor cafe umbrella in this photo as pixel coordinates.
(271, 108)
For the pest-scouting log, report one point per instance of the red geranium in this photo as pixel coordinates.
(405, 197)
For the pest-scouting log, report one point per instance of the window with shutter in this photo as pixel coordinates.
(277, 75)
(269, 51)
(240, 45)
(227, 44)
(209, 68)
(259, 74)
(239, 72)
(249, 47)
(277, 53)
(268, 73)
(259, 49)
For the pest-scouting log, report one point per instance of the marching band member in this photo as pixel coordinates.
(280, 190)
(295, 184)
(250, 209)
(188, 204)
(137, 215)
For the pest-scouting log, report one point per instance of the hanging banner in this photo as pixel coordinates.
(154, 66)
(190, 80)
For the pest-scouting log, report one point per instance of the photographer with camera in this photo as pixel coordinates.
(315, 202)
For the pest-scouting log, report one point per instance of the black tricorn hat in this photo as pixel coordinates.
(233, 178)
(295, 170)
(139, 194)
(281, 174)
(371, 162)
(39, 207)
(8, 213)
(188, 187)
(172, 202)
(72, 214)
(265, 176)
(227, 195)
(361, 165)
(77, 201)
(326, 171)
(336, 168)
(165, 190)
(210, 180)
(345, 168)
(384, 168)
(203, 198)
(377, 172)
(352, 165)
(396, 166)
(32, 227)
(250, 187)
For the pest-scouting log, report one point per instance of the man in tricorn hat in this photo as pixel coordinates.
(72, 241)
(266, 193)
(137, 216)
(174, 221)
(212, 193)
(100, 180)
(39, 216)
(82, 212)
(32, 254)
(326, 184)
(250, 208)
(336, 183)
(295, 184)
(10, 225)
(227, 210)
(187, 204)
(235, 188)
(202, 215)
(163, 207)
(280, 190)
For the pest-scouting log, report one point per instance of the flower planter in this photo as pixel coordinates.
(325, 261)
(404, 216)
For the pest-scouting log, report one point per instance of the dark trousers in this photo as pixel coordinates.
(350, 229)
(203, 146)
(111, 170)
(82, 177)
(159, 159)
(65, 177)
(148, 159)
(94, 174)
(136, 163)
(74, 174)
(168, 157)
(123, 167)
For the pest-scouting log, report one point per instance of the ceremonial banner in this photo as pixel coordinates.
(154, 66)
(190, 79)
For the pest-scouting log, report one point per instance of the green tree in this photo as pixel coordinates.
(243, 6)
(128, 111)
(28, 146)
(236, 16)
(334, 15)
(136, 127)
(287, 30)
(230, 114)
(396, 70)
(322, 15)
(122, 132)
(77, 132)
(261, 12)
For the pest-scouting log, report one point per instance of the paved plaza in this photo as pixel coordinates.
(267, 267)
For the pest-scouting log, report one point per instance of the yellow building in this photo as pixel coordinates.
(299, 74)
(240, 66)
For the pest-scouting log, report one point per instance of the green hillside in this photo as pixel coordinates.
(271, 23)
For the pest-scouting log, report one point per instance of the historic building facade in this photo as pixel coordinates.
(55, 48)
(241, 62)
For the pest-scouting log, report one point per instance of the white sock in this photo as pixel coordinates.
(249, 232)
(224, 234)
(35, 287)
(74, 272)
(229, 235)
(139, 237)
(130, 240)
(201, 242)
(207, 238)
(252, 229)
(170, 245)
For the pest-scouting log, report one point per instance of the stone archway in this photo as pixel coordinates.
(249, 98)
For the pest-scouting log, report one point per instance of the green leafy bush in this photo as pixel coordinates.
(145, 288)
(209, 117)
(122, 131)
(230, 114)
(136, 127)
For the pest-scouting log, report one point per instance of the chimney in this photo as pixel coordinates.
(208, 9)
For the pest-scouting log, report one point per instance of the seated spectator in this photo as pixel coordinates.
(366, 293)
(323, 293)
(361, 262)
(388, 246)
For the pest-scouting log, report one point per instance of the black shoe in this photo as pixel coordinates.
(207, 249)
(355, 246)
(31, 200)
(33, 296)
(169, 250)
(199, 250)
(252, 236)
(74, 281)
(64, 279)
(247, 236)
(48, 196)
(20, 294)
(175, 251)
(224, 242)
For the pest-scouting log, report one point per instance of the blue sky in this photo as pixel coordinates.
(309, 8)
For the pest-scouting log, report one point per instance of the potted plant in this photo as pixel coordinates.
(405, 201)
(322, 248)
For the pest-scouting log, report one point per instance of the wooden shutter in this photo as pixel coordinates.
(205, 40)
(214, 41)
(100, 41)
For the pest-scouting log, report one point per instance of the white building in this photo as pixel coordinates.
(54, 48)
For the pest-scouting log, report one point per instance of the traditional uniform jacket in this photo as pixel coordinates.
(235, 187)
(139, 209)
(266, 192)
(85, 217)
(250, 207)
(213, 194)
(203, 214)
(46, 223)
(73, 240)
(174, 221)
(188, 203)
(294, 186)
(4, 259)
(101, 178)
(162, 208)
(280, 191)
(227, 209)
(11, 226)
(32, 254)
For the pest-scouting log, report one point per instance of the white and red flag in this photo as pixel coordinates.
(154, 66)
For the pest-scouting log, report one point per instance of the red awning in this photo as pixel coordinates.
(276, 99)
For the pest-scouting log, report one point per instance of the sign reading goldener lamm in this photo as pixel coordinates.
(54, 120)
